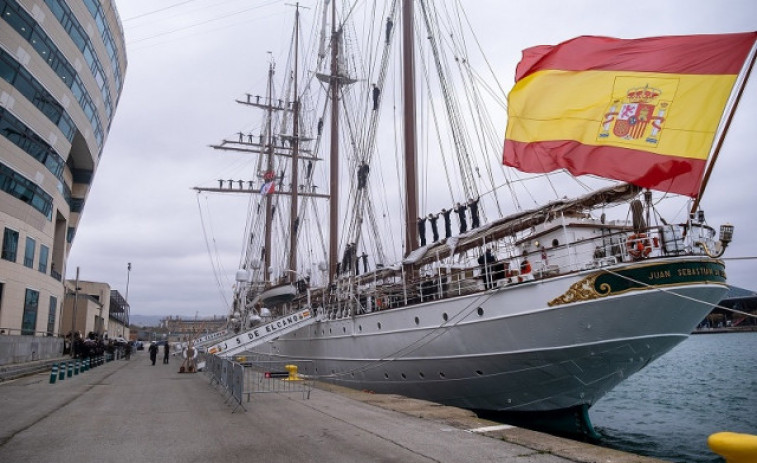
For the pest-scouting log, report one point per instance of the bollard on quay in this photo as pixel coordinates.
(54, 373)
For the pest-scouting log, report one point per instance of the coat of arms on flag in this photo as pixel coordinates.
(638, 116)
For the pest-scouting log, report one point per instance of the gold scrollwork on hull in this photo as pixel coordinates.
(582, 290)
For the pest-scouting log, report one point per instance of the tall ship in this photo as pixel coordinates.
(528, 274)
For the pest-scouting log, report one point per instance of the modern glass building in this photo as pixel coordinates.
(62, 66)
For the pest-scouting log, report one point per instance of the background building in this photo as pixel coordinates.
(94, 308)
(62, 66)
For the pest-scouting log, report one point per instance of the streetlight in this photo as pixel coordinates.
(126, 297)
(73, 318)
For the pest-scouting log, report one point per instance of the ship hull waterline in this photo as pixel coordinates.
(507, 349)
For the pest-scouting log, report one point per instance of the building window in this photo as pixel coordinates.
(24, 189)
(29, 321)
(10, 244)
(31, 246)
(51, 315)
(44, 253)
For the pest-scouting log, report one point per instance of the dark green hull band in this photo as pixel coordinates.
(652, 275)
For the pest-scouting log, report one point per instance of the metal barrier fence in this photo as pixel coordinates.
(247, 376)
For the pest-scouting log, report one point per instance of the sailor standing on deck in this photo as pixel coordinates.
(447, 222)
(434, 228)
(422, 230)
(460, 210)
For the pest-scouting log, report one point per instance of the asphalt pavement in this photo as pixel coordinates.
(132, 411)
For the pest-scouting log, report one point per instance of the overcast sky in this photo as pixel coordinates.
(189, 60)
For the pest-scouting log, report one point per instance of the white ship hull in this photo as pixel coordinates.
(507, 349)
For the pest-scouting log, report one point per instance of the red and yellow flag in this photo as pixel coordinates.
(644, 111)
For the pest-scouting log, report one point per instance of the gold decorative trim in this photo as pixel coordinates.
(582, 290)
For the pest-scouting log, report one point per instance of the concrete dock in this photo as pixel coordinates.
(133, 411)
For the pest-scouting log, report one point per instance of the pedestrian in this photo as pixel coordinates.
(166, 349)
(434, 228)
(153, 352)
(447, 222)
(460, 210)
(422, 230)
(376, 94)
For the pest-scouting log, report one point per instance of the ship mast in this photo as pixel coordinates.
(408, 94)
(293, 218)
(268, 172)
(334, 149)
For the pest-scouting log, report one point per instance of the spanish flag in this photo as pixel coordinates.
(644, 111)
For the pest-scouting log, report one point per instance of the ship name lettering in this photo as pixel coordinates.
(659, 275)
(699, 271)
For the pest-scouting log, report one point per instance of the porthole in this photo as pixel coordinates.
(404, 376)
(480, 311)
(379, 325)
(417, 321)
(352, 374)
(329, 330)
(420, 373)
(386, 375)
(441, 374)
(344, 329)
(479, 373)
(444, 316)
(360, 328)
(555, 243)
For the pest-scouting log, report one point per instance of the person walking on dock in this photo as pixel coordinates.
(153, 352)
(166, 349)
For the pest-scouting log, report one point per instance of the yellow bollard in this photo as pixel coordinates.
(292, 369)
(734, 447)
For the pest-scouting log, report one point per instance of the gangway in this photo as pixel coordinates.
(263, 333)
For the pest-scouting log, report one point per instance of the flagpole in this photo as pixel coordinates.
(727, 124)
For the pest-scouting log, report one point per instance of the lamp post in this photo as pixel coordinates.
(73, 318)
(126, 297)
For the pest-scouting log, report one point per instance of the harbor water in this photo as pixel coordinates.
(705, 385)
